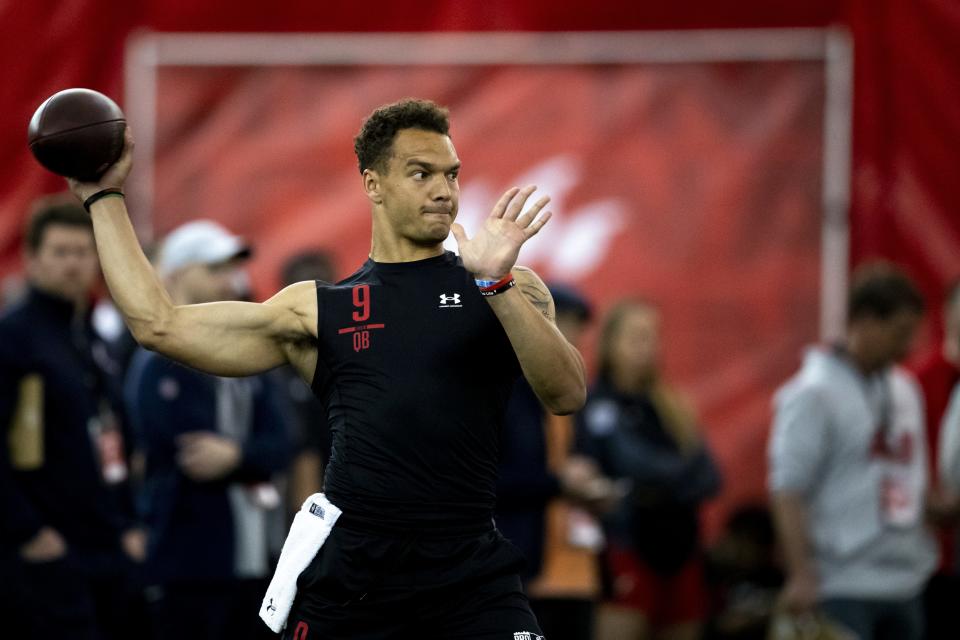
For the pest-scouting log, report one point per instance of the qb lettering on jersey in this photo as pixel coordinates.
(361, 333)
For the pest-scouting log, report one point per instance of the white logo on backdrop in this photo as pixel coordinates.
(574, 242)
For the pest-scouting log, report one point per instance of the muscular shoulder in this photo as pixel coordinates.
(297, 304)
(535, 291)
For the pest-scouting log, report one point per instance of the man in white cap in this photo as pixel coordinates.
(201, 261)
(211, 446)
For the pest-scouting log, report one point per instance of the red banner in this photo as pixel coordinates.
(696, 186)
(905, 151)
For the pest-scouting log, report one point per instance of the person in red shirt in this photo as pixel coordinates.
(938, 373)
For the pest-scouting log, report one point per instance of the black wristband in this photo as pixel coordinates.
(498, 287)
(103, 193)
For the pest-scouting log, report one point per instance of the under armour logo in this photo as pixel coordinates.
(451, 301)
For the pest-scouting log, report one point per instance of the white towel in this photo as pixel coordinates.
(309, 530)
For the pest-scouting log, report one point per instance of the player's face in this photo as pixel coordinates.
(65, 264)
(420, 191)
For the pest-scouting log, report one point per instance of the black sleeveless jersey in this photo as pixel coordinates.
(415, 371)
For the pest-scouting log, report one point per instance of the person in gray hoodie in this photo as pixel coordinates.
(848, 469)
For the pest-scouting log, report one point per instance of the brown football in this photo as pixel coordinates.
(77, 133)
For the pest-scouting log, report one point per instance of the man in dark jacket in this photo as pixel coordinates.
(212, 446)
(68, 535)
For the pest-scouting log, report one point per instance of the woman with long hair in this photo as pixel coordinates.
(639, 430)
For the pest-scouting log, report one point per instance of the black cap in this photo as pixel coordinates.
(568, 300)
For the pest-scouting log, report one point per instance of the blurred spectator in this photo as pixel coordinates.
(211, 446)
(949, 477)
(938, 374)
(639, 429)
(744, 576)
(848, 469)
(70, 542)
(310, 264)
(311, 432)
(541, 494)
(12, 290)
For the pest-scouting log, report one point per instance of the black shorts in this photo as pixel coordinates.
(365, 585)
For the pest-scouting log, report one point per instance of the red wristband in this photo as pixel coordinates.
(504, 284)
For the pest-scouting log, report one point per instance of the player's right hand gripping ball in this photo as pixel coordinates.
(77, 133)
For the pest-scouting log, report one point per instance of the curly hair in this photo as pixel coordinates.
(374, 143)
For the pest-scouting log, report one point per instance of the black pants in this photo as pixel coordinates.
(84, 596)
(210, 610)
(366, 586)
(940, 603)
(564, 618)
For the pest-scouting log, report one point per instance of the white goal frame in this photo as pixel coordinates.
(147, 52)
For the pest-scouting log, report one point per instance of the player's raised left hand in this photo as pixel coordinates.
(493, 251)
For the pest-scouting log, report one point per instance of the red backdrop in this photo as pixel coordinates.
(696, 186)
(906, 113)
